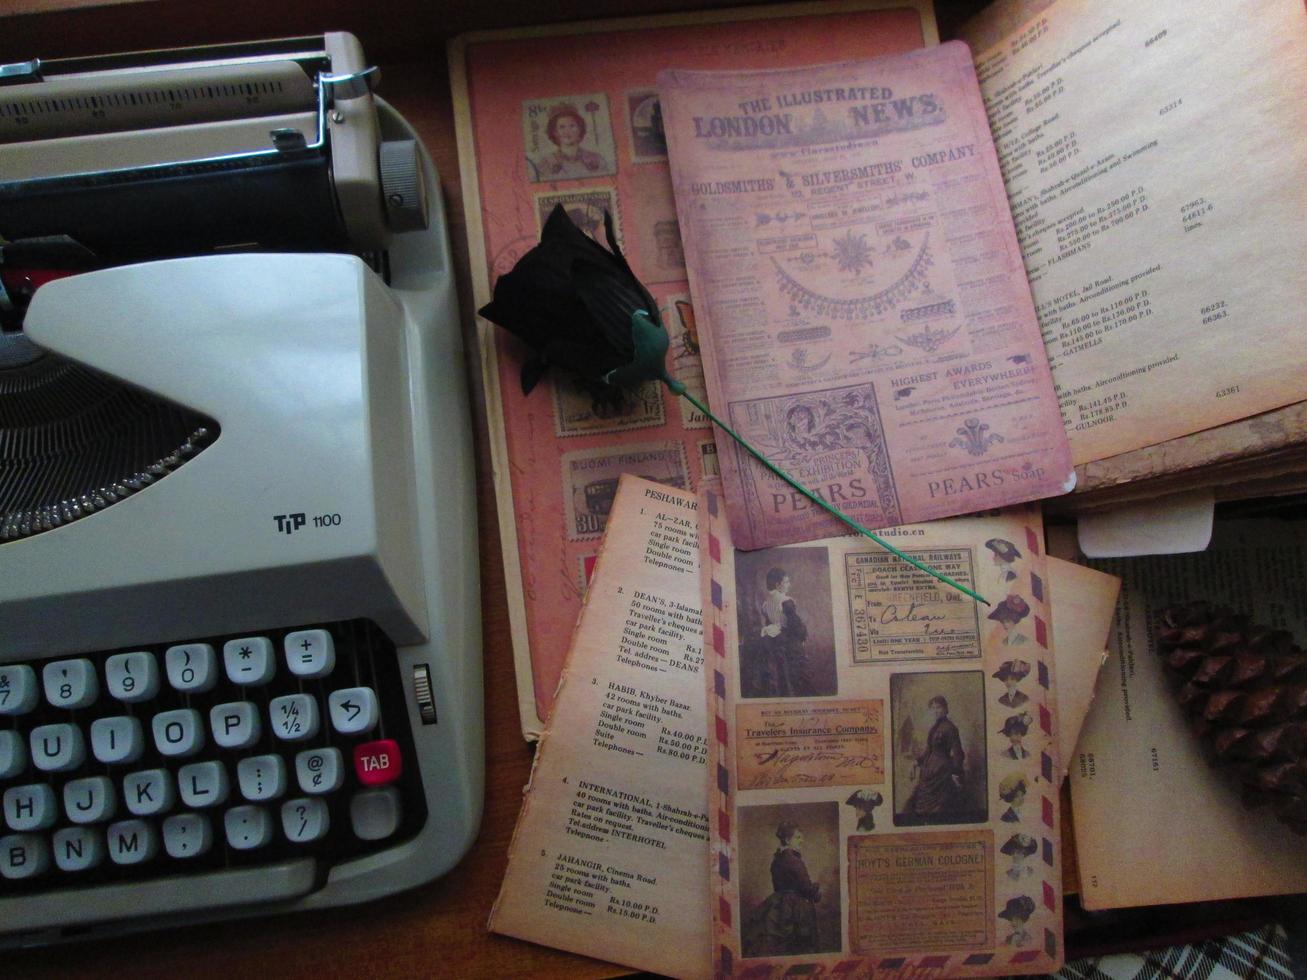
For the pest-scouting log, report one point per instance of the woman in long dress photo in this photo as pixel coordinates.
(939, 770)
(785, 923)
(784, 659)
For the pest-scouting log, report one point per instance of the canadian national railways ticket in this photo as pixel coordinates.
(861, 300)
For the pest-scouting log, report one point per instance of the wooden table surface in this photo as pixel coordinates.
(439, 929)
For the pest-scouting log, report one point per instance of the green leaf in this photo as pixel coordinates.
(649, 361)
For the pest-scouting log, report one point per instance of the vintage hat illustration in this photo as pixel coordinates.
(865, 799)
(1022, 844)
(1010, 611)
(1012, 670)
(1011, 787)
(1022, 907)
(1016, 725)
(1004, 550)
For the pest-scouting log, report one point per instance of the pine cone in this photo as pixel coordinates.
(1243, 688)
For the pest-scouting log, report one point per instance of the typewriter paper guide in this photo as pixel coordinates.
(295, 356)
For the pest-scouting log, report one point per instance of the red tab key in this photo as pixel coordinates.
(377, 763)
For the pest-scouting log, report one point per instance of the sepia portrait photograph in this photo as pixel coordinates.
(789, 879)
(938, 732)
(786, 628)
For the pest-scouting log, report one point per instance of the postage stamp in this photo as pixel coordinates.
(810, 743)
(832, 442)
(568, 137)
(585, 568)
(684, 358)
(658, 234)
(578, 412)
(909, 892)
(708, 464)
(899, 613)
(590, 480)
(586, 209)
(644, 116)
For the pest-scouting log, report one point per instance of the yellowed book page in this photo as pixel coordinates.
(1086, 601)
(1137, 763)
(1163, 216)
(885, 789)
(610, 852)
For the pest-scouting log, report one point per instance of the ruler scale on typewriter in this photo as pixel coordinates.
(239, 606)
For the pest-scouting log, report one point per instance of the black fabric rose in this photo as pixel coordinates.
(580, 308)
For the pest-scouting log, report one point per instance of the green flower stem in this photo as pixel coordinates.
(678, 388)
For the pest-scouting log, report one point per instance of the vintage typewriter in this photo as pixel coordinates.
(239, 605)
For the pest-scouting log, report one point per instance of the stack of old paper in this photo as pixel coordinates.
(871, 783)
(842, 732)
(1137, 756)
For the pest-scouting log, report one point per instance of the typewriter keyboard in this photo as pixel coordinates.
(224, 752)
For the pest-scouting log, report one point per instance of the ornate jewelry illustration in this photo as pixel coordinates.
(875, 352)
(860, 307)
(853, 253)
(799, 361)
(929, 340)
(974, 439)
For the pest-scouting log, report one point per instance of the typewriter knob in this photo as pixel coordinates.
(402, 186)
(16, 350)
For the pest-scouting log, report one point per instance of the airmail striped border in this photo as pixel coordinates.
(723, 803)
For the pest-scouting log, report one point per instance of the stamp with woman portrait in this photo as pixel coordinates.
(568, 137)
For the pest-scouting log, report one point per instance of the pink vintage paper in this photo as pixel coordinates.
(502, 85)
(860, 295)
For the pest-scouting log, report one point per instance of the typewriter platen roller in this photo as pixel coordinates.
(273, 145)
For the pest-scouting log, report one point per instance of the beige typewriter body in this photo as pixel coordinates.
(340, 483)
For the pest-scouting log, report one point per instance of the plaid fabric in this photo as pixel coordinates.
(1258, 955)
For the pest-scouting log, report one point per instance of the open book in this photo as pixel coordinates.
(1153, 154)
